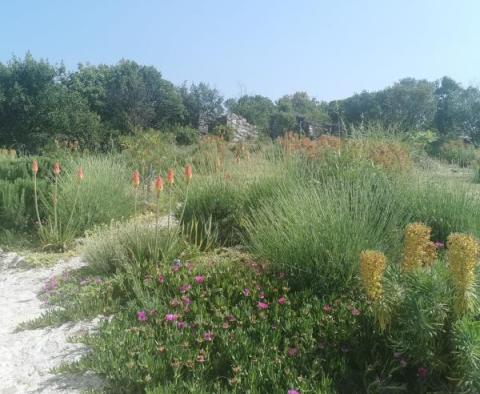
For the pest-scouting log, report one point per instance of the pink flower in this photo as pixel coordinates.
(142, 316)
(208, 336)
(292, 351)
(282, 300)
(246, 292)
(439, 245)
(355, 312)
(199, 279)
(186, 301)
(262, 305)
(185, 288)
(422, 372)
(327, 308)
(161, 279)
(181, 325)
(292, 391)
(170, 317)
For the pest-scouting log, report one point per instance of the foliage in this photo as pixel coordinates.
(457, 152)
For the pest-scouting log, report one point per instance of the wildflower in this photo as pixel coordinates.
(56, 168)
(170, 176)
(136, 179)
(293, 391)
(327, 308)
(188, 173)
(372, 266)
(185, 288)
(439, 245)
(462, 255)
(282, 300)
(142, 316)
(35, 167)
(261, 295)
(158, 185)
(170, 317)
(174, 303)
(186, 301)
(201, 358)
(422, 372)
(80, 174)
(161, 279)
(181, 325)
(292, 351)
(246, 292)
(208, 336)
(199, 279)
(262, 305)
(355, 312)
(418, 251)
(225, 326)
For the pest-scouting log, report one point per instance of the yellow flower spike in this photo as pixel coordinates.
(372, 267)
(462, 256)
(418, 250)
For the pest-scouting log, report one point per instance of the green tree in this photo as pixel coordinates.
(256, 109)
(202, 103)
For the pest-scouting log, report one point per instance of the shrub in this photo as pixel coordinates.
(186, 136)
(317, 234)
(457, 152)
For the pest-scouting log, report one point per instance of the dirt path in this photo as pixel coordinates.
(27, 356)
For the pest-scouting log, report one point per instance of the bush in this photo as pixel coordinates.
(457, 152)
(103, 195)
(317, 234)
(186, 136)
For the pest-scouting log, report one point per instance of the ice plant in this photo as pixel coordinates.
(35, 193)
(462, 256)
(372, 267)
(418, 250)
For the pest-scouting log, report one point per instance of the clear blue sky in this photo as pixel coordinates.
(330, 49)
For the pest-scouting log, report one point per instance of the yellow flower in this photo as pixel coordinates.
(462, 255)
(372, 267)
(418, 250)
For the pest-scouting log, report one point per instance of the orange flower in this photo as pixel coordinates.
(80, 174)
(158, 185)
(56, 168)
(188, 172)
(170, 176)
(136, 179)
(35, 167)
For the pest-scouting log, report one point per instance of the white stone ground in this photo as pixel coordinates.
(27, 356)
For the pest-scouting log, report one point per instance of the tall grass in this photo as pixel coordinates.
(317, 233)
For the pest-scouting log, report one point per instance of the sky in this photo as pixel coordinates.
(329, 49)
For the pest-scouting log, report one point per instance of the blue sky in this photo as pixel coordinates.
(329, 49)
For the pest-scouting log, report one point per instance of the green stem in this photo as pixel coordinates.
(169, 206)
(36, 201)
(73, 207)
(156, 223)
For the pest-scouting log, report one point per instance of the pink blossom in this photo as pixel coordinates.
(327, 308)
(292, 391)
(208, 336)
(246, 292)
(170, 317)
(161, 279)
(439, 245)
(185, 288)
(142, 316)
(292, 351)
(282, 300)
(422, 372)
(262, 305)
(186, 301)
(355, 312)
(181, 325)
(199, 279)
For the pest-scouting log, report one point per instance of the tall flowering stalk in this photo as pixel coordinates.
(158, 190)
(170, 181)
(418, 250)
(188, 172)
(35, 193)
(372, 267)
(56, 172)
(462, 257)
(136, 184)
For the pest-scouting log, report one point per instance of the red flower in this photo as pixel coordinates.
(35, 167)
(158, 185)
(136, 179)
(188, 172)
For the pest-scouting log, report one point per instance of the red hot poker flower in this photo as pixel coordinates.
(188, 172)
(136, 179)
(35, 167)
(56, 168)
(170, 176)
